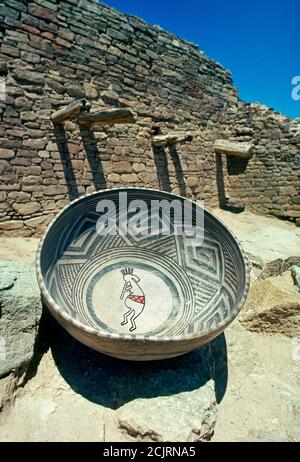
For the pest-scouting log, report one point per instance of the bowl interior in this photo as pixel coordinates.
(131, 284)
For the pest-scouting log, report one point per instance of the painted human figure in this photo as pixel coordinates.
(135, 300)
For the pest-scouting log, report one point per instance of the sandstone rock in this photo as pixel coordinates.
(23, 102)
(184, 417)
(110, 97)
(129, 178)
(29, 170)
(29, 76)
(77, 164)
(27, 209)
(30, 57)
(58, 87)
(137, 168)
(21, 310)
(66, 34)
(296, 199)
(122, 167)
(41, 12)
(5, 167)
(54, 190)
(273, 306)
(43, 154)
(19, 196)
(34, 144)
(73, 149)
(31, 180)
(10, 51)
(38, 224)
(147, 177)
(6, 154)
(8, 385)
(75, 91)
(192, 181)
(113, 177)
(90, 91)
(279, 266)
(11, 225)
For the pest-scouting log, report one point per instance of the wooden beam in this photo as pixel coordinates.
(107, 117)
(233, 148)
(68, 112)
(171, 138)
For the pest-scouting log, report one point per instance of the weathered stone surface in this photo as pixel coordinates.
(296, 275)
(231, 148)
(183, 417)
(29, 76)
(113, 177)
(6, 154)
(122, 167)
(8, 386)
(262, 378)
(41, 12)
(91, 91)
(11, 225)
(19, 196)
(34, 144)
(31, 180)
(273, 306)
(55, 190)
(2, 196)
(129, 178)
(27, 209)
(21, 310)
(110, 97)
(192, 181)
(10, 51)
(279, 266)
(38, 224)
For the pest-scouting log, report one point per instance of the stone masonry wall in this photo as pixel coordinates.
(53, 52)
(269, 183)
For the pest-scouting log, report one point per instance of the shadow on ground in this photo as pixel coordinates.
(112, 383)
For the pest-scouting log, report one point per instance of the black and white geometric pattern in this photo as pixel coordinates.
(213, 275)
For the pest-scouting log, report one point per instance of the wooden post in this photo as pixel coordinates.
(68, 112)
(171, 138)
(107, 117)
(233, 148)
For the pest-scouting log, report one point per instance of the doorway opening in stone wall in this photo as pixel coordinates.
(225, 203)
(160, 155)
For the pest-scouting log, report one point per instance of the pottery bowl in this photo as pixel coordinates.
(144, 293)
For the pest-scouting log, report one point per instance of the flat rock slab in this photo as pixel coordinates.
(20, 313)
(262, 399)
(184, 417)
(264, 237)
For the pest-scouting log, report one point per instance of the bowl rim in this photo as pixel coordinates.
(52, 305)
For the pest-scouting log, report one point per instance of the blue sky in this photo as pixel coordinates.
(257, 40)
